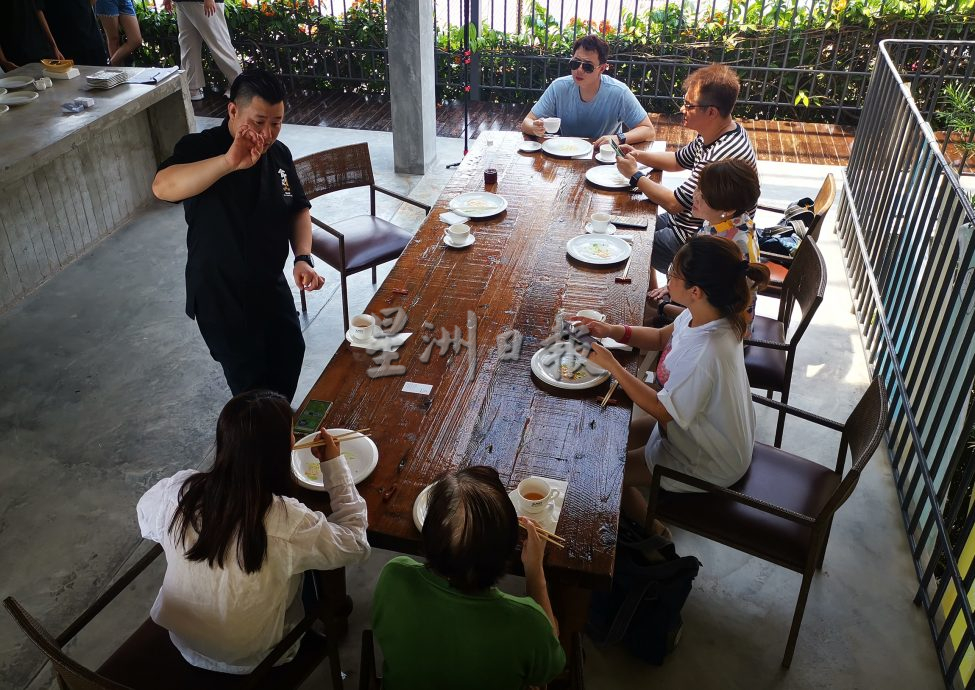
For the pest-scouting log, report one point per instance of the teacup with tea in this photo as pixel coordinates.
(536, 494)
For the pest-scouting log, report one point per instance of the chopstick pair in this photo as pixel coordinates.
(609, 394)
(548, 536)
(315, 443)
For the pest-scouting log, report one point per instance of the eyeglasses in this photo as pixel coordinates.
(690, 106)
(587, 67)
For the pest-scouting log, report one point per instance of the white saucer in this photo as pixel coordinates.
(611, 159)
(529, 146)
(610, 229)
(466, 243)
(357, 341)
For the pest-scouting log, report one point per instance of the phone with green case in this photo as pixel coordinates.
(311, 417)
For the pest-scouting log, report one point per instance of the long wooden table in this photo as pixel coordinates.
(488, 411)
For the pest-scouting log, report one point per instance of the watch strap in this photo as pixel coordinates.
(636, 178)
(306, 258)
(622, 137)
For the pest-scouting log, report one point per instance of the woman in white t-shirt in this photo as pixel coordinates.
(705, 422)
(236, 545)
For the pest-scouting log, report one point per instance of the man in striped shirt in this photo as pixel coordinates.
(709, 97)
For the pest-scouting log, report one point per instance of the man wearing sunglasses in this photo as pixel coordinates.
(590, 103)
(710, 94)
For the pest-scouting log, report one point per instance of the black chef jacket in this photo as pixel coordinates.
(21, 36)
(239, 228)
(76, 31)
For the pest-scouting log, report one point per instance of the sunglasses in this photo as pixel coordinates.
(587, 67)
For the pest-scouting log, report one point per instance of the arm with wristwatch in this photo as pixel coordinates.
(656, 192)
(306, 278)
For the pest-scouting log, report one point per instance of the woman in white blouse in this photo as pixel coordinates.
(704, 419)
(236, 545)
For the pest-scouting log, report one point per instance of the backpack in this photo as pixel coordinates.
(642, 610)
(784, 237)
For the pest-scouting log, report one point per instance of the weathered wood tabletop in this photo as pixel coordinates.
(482, 409)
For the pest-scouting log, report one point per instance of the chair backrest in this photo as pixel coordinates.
(821, 205)
(805, 285)
(71, 674)
(335, 169)
(862, 433)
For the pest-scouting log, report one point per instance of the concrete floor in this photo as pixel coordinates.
(106, 387)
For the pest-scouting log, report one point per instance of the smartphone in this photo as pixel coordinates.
(311, 417)
(578, 333)
(619, 151)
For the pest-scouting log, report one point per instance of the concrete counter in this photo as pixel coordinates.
(68, 180)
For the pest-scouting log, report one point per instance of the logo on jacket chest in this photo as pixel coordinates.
(285, 186)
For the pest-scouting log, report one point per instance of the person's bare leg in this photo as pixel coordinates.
(641, 426)
(636, 476)
(110, 25)
(133, 39)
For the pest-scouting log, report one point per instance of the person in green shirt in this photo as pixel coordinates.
(445, 624)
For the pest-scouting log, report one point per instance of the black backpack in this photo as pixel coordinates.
(784, 237)
(642, 610)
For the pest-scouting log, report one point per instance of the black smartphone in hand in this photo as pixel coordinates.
(616, 147)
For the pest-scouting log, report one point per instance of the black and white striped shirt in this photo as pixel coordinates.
(694, 156)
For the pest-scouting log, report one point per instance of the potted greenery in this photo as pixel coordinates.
(957, 118)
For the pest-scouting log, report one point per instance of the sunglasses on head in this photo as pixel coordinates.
(587, 67)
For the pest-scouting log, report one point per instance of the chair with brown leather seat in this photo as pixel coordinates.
(148, 660)
(782, 509)
(354, 244)
(778, 265)
(771, 353)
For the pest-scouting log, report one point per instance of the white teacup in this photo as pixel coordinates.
(362, 326)
(458, 233)
(599, 222)
(552, 124)
(40, 85)
(591, 314)
(606, 152)
(536, 494)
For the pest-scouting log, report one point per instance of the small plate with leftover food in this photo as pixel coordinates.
(598, 249)
(563, 366)
(478, 204)
(360, 452)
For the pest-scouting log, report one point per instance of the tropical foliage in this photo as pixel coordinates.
(806, 58)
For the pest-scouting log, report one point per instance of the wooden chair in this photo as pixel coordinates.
(355, 244)
(778, 265)
(370, 680)
(147, 660)
(771, 355)
(782, 509)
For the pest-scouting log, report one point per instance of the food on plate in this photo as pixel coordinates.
(600, 250)
(313, 471)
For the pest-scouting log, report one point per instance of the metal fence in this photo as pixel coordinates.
(906, 225)
(797, 59)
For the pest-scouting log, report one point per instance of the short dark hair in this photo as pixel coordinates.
(729, 185)
(256, 82)
(717, 85)
(592, 42)
(471, 528)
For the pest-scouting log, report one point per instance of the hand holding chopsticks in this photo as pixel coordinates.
(315, 442)
(545, 535)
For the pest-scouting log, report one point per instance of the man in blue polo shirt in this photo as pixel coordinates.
(590, 103)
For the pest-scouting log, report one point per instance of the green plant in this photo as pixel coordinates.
(957, 116)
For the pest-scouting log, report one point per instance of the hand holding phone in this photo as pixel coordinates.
(616, 147)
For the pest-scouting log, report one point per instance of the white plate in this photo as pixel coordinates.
(15, 82)
(18, 98)
(607, 176)
(567, 147)
(361, 454)
(547, 365)
(529, 146)
(598, 249)
(610, 229)
(420, 507)
(4, 108)
(2, 91)
(478, 204)
(466, 243)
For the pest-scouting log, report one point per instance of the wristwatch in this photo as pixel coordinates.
(621, 137)
(636, 178)
(306, 258)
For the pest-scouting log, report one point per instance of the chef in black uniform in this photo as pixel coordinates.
(244, 203)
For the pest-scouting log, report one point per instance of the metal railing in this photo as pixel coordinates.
(799, 59)
(905, 225)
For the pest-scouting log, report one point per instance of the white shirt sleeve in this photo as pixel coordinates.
(153, 508)
(339, 540)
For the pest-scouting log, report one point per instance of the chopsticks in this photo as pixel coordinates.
(609, 394)
(548, 536)
(316, 442)
(626, 270)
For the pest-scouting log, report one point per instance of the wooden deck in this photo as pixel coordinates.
(774, 140)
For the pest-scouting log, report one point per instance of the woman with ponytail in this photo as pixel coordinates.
(236, 545)
(701, 406)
